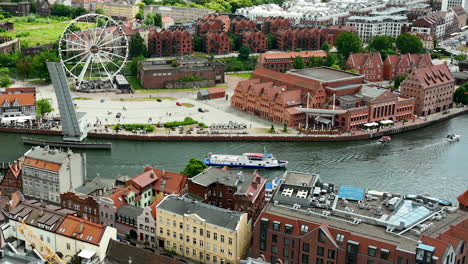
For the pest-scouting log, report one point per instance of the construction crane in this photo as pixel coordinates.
(48, 254)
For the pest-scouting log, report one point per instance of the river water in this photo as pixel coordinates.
(417, 162)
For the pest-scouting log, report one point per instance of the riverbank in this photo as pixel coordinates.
(358, 135)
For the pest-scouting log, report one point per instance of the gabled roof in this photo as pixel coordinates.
(25, 99)
(80, 229)
(120, 195)
(290, 98)
(40, 164)
(216, 90)
(434, 75)
(168, 182)
(370, 59)
(463, 198)
(440, 246)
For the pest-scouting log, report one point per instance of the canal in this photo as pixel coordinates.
(418, 162)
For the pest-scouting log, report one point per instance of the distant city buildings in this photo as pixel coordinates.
(125, 10)
(171, 42)
(283, 61)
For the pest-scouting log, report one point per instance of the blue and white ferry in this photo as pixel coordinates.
(246, 160)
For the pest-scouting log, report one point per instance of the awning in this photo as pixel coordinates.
(323, 120)
(373, 124)
(86, 254)
(386, 122)
(17, 118)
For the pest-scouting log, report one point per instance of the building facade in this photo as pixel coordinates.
(432, 87)
(201, 232)
(255, 39)
(146, 226)
(126, 221)
(172, 42)
(273, 24)
(86, 207)
(368, 64)
(12, 181)
(216, 43)
(118, 10)
(48, 172)
(283, 61)
(402, 64)
(17, 104)
(230, 189)
(16, 8)
(156, 74)
(239, 24)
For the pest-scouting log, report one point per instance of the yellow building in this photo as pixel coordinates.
(118, 10)
(202, 232)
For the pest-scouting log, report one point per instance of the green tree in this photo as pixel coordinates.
(398, 80)
(134, 65)
(298, 62)
(74, 28)
(336, 66)
(409, 43)
(235, 43)
(461, 95)
(198, 44)
(100, 11)
(5, 81)
(38, 64)
(139, 16)
(23, 67)
(348, 42)
(43, 107)
(285, 128)
(149, 20)
(385, 53)
(316, 62)
(79, 11)
(158, 20)
(137, 46)
(326, 47)
(460, 57)
(194, 167)
(332, 59)
(271, 40)
(272, 129)
(379, 43)
(244, 53)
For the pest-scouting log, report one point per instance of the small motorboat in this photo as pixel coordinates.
(453, 137)
(385, 139)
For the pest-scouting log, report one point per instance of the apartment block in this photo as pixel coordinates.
(171, 42)
(283, 61)
(118, 10)
(432, 87)
(201, 232)
(217, 43)
(402, 64)
(273, 24)
(239, 24)
(368, 64)
(49, 172)
(255, 39)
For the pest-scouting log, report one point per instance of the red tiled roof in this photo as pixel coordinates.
(174, 183)
(40, 164)
(371, 59)
(80, 229)
(15, 167)
(290, 98)
(119, 196)
(23, 98)
(293, 111)
(463, 198)
(458, 232)
(153, 208)
(244, 85)
(292, 55)
(440, 246)
(16, 199)
(252, 192)
(143, 179)
(450, 239)
(216, 90)
(434, 75)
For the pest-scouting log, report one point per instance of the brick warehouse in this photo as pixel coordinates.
(282, 97)
(294, 231)
(283, 61)
(230, 189)
(170, 42)
(155, 74)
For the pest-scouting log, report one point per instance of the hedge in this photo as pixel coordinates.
(131, 127)
(187, 121)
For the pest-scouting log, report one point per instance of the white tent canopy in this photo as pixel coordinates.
(16, 118)
(386, 122)
(373, 124)
(323, 120)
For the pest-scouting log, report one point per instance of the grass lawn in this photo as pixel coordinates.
(188, 105)
(246, 75)
(82, 98)
(43, 31)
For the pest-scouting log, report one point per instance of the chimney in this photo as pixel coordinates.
(80, 227)
(254, 185)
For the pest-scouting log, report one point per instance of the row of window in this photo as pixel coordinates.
(207, 257)
(201, 232)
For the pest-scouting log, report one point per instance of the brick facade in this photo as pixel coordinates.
(170, 42)
(203, 26)
(217, 43)
(298, 38)
(283, 61)
(368, 64)
(254, 39)
(432, 87)
(402, 64)
(240, 24)
(12, 180)
(86, 207)
(273, 24)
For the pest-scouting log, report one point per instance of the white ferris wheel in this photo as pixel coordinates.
(93, 48)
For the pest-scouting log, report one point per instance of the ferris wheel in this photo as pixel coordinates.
(93, 48)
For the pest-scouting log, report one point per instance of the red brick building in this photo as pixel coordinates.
(283, 61)
(225, 20)
(291, 229)
(463, 200)
(368, 64)
(156, 74)
(254, 39)
(432, 87)
(211, 93)
(239, 24)
(273, 24)
(230, 189)
(12, 180)
(217, 42)
(401, 64)
(204, 26)
(176, 42)
(337, 99)
(86, 207)
(299, 38)
(330, 33)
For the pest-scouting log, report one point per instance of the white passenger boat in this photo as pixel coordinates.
(453, 137)
(246, 160)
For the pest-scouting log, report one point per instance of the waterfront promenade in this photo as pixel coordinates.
(398, 127)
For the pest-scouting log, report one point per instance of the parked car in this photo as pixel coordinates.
(179, 104)
(159, 100)
(118, 115)
(201, 110)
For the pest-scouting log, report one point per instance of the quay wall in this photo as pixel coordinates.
(263, 138)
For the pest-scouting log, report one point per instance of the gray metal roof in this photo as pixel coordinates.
(96, 184)
(225, 177)
(46, 154)
(211, 214)
(129, 211)
(326, 74)
(204, 92)
(368, 93)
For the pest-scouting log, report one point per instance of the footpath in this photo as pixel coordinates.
(398, 127)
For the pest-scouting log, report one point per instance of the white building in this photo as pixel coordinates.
(49, 172)
(446, 4)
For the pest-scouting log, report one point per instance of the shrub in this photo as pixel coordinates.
(187, 121)
(131, 127)
(23, 34)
